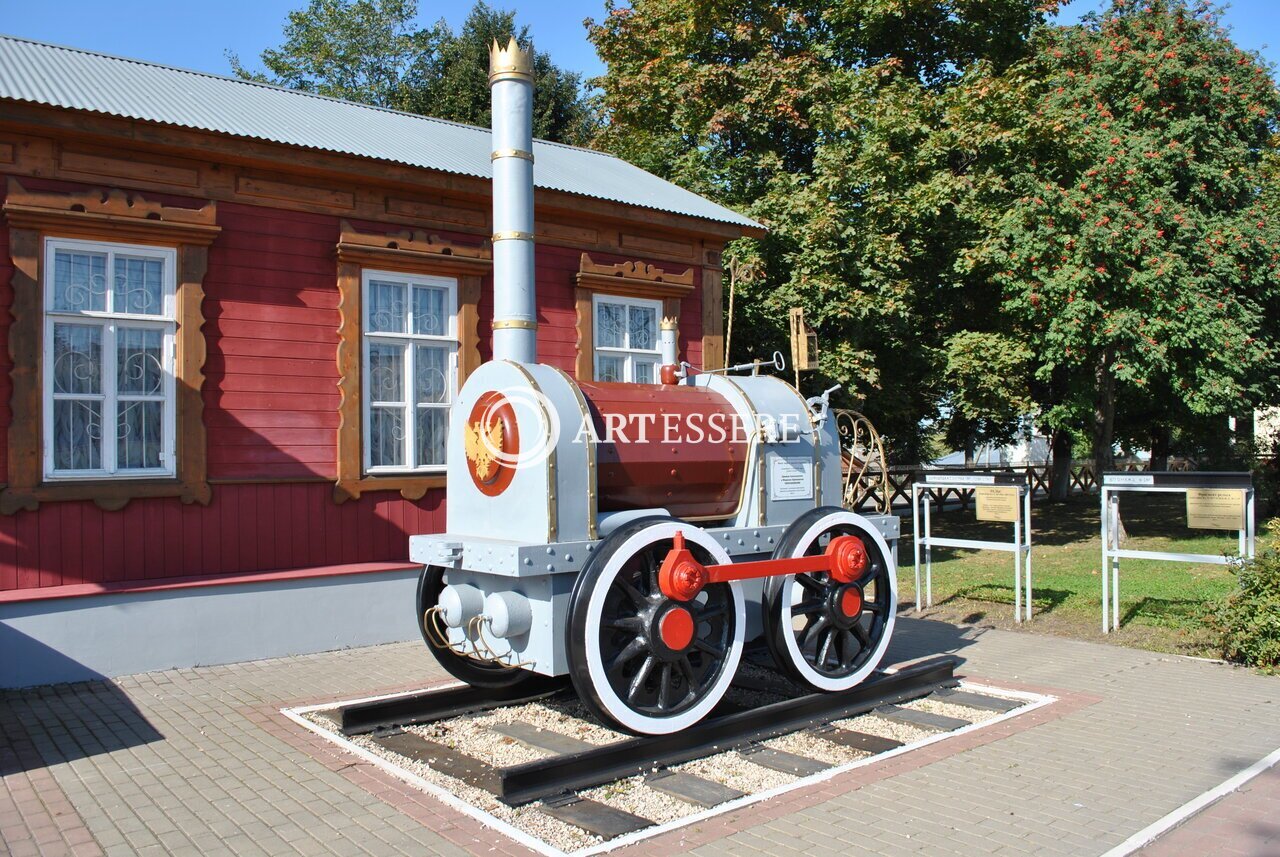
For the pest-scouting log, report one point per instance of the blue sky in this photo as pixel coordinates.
(196, 35)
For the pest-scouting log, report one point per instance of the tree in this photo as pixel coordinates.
(988, 400)
(1138, 257)
(821, 118)
(459, 88)
(372, 51)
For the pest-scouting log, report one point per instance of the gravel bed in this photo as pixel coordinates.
(752, 698)
(873, 725)
(769, 675)
(732, 770)
(634, 796)
(568, 717)
(467, 735)
(806, 744)
(950, 709)
(529, 819)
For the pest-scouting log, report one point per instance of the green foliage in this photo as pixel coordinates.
(987, 374)
(1138, 255)
(1248, 620)
(373, 52)
(359, 50)
(459, 87)
(977, 209)
(822, 119)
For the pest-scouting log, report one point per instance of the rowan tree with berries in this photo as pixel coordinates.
(1138, 258)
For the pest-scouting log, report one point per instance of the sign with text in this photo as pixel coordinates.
(1215, 508)
(791, 479)
(997, 503)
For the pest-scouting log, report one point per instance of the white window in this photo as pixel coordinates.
(109, 342)
(410, 370)
(626, 339)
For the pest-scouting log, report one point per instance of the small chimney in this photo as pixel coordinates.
(668, 372)
(515, 317)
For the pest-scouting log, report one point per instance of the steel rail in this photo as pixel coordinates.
(739, 728)
(432, 705)
(544, 778)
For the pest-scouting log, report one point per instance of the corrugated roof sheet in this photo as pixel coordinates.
(83, 80)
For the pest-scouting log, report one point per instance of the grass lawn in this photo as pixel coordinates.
(1162, 603)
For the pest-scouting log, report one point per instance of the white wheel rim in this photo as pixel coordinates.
(616, 707)
(786, 593)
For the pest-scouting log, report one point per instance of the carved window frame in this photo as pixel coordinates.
(633, 279)
(113, 216)
(417, 254)
(630, 356)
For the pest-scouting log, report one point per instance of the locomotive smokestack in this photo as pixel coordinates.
(515, 318)
(668, 372)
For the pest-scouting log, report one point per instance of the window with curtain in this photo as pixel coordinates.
(108, 374)
(410, 370)
(625, 332)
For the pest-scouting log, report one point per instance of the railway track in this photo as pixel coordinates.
(537, 760)
(568, 765)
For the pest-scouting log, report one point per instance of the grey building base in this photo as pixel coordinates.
(97, 636)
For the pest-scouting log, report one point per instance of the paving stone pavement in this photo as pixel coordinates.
(1245, 822)
(191, 761)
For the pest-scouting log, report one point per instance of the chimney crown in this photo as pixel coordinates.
(511, 62)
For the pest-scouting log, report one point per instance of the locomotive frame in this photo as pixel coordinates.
(650, 564)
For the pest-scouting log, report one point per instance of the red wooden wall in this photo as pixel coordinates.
(271, 414)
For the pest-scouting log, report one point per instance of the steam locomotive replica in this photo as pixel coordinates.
(636, 536)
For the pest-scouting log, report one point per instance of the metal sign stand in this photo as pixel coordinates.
(1113, 484)
(1020, 547)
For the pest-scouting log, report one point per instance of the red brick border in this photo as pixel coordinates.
(471, 834)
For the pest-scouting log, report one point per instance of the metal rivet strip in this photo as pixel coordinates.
(512, 235)
(510, 72)
(514, 324)
(511, 153)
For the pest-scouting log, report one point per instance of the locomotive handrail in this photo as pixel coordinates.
(778, 363)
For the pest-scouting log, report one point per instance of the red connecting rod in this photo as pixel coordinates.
(681, 577)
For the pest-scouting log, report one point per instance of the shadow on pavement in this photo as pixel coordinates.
(41, 726)
(919, 638)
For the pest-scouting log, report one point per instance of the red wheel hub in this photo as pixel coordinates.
(849, 559)
(676, 629)
(681, 576)
(851, 602)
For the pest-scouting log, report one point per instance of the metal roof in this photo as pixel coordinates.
(83, 80)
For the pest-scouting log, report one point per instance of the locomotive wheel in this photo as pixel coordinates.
(643, 662)
(824, 633)
(474, 672)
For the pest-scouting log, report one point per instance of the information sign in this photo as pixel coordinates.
(997, 503)
(1215, 508)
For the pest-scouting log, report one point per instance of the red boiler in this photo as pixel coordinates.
(683, 449)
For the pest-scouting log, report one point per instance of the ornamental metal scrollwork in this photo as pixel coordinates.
(136, 299)
(84, 288)
(741, 272)
(141, 366)
(862, 459)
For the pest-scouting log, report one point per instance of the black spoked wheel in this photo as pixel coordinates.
(823, 632)
(643, 662)
(434, 631)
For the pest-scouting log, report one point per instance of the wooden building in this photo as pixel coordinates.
(234, 318)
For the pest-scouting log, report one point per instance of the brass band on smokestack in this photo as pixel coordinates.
(515, 318)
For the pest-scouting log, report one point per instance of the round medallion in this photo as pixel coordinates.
(492, 443)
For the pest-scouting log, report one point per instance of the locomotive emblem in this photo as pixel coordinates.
(482, 445)
(491, 442)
